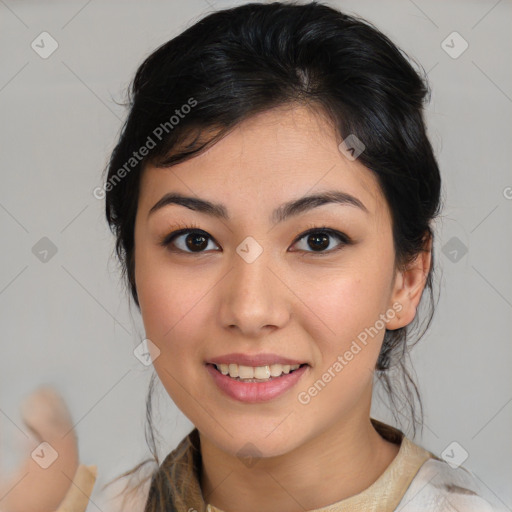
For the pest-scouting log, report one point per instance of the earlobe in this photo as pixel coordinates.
(408, 288)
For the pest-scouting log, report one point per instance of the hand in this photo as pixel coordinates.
(60, 486)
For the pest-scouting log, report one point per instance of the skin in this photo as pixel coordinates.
(291, 301)
(33, 488)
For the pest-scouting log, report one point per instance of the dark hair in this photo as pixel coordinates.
(237, 62)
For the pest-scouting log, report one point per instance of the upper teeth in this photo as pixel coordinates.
(258, 372)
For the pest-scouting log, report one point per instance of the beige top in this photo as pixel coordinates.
(387, 491)
(415, 480)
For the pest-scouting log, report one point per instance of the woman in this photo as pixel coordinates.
(272, 195)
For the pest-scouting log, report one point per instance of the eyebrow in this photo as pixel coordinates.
(280, 214)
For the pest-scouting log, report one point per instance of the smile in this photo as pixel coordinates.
(255, 384)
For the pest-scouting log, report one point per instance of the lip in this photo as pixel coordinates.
(263, 359)
(255, 392)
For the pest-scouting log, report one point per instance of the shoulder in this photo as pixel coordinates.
(441, 488)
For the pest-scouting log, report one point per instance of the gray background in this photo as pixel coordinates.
(67, 322)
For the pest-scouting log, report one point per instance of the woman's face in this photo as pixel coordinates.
(251, 283)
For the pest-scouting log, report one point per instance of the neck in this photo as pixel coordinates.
(342, 461)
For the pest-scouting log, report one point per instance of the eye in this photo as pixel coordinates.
(317, 238)
(188, 239)
(193, 240)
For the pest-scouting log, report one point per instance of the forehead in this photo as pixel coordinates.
(284, 153)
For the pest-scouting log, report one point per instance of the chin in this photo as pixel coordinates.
(262, 439)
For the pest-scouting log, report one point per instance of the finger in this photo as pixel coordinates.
(77, 498)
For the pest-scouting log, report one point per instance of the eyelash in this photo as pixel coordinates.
(167, 239)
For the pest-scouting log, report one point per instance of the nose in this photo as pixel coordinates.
(254, 300)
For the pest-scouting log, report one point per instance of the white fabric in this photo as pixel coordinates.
(438, 487)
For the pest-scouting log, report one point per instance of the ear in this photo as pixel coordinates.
(408, 287)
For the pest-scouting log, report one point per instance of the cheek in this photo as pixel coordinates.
(171, 306)
(350, 306)
(174, 307)
(347, 346)
(168, 297)
(171, 309)
(350, 303)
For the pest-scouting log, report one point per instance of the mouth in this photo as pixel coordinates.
(244, 384)
(267, 373)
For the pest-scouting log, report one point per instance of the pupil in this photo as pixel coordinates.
(320, 241)
(194, 237)
(317, 238)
